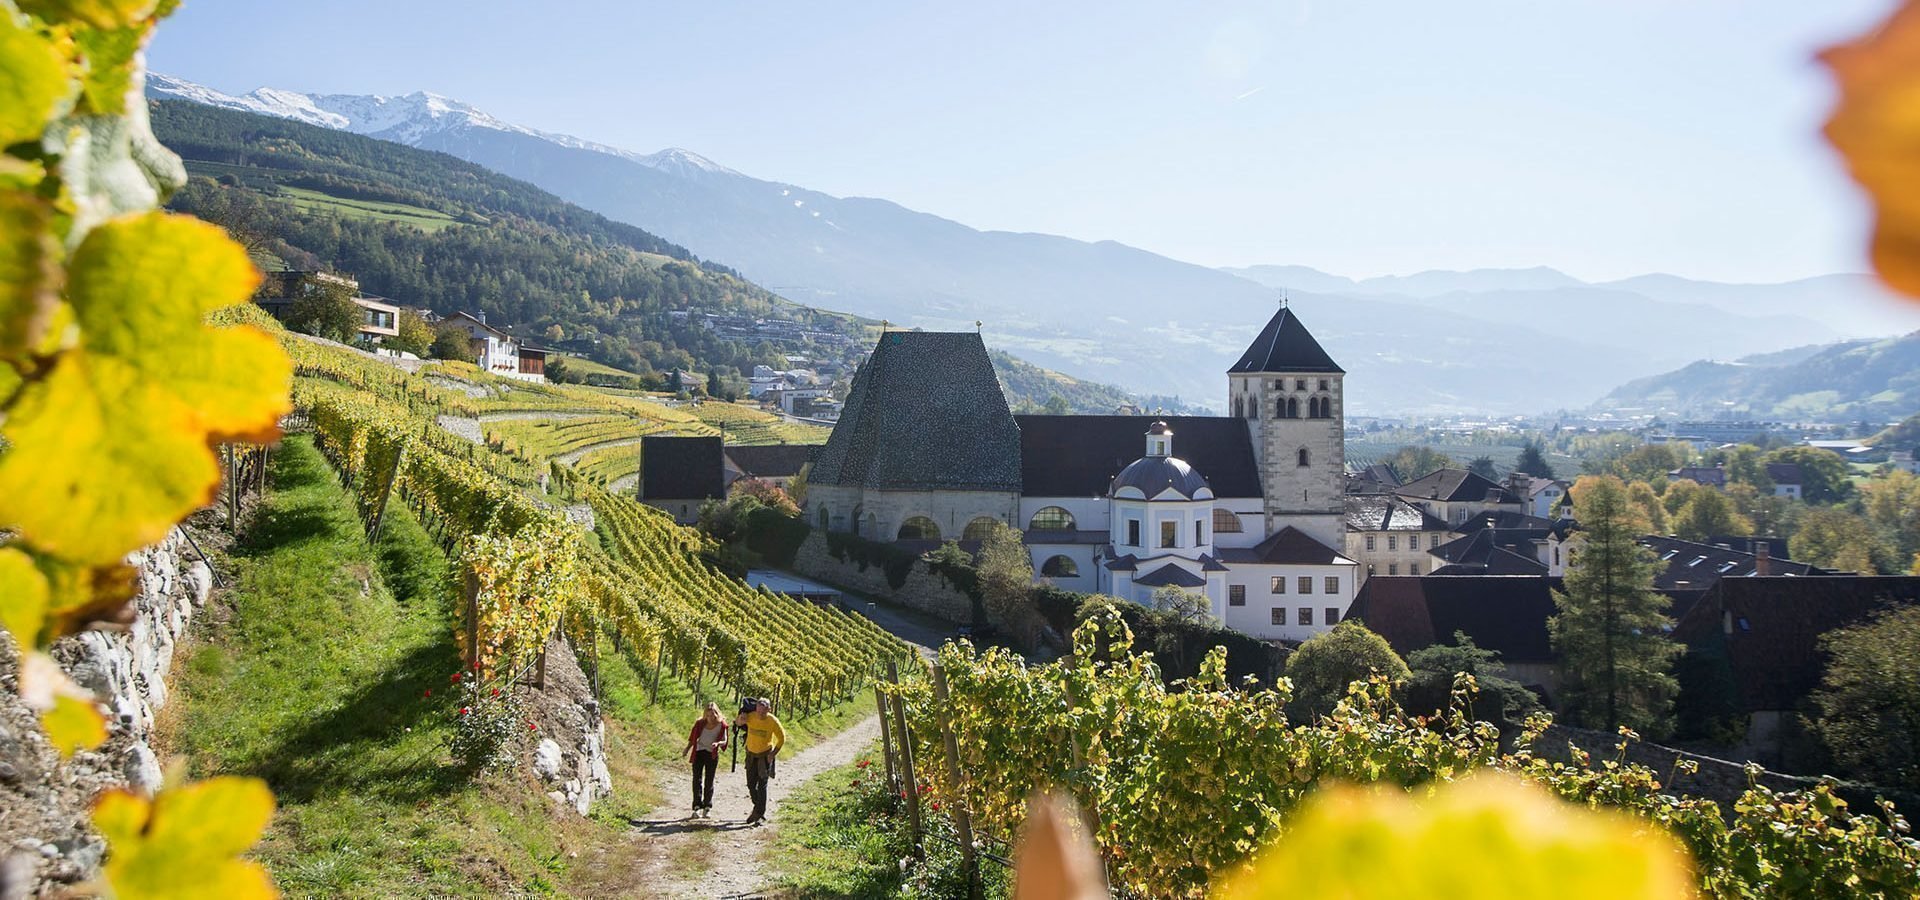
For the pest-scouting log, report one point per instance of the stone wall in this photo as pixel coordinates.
(570, 755)
(45, 837)
(883, 512)
(923, 590)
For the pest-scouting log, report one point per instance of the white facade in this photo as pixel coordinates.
(1268, 602)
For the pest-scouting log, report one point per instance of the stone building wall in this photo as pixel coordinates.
(923, 590)
(951, 510)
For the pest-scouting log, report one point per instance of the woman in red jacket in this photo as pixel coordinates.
(704, 744)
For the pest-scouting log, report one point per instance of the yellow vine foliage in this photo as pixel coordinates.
(1876, 126)
(1491, 837)
(114, 389)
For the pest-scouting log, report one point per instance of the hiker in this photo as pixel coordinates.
(703, 748)
(765, 737)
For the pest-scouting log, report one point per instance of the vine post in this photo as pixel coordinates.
(886, 737)
(911, 788)
(962, 817)
(380, 509)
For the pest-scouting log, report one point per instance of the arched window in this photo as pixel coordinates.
(979, 528)
(823, 518)
(1059, 567)
(857, 522)
(1225, 522)
(1239, 407)
(1052, 518)
(919, 528)
(1293, 407)
(1303, 457)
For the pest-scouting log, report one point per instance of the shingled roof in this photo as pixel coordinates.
(1775, 626)
(1077, 456)
(1454, 486)
(1285, 346)
(924, 413)
(1171, 574)
(678, 467)
(1288, 546)
(1691, 565)
(1385, 512)
(1504, 613)
(771, 460)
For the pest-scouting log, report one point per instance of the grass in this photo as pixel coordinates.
(308, 200)
(317, 680)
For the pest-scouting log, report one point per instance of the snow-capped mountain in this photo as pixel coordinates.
(1433, 342)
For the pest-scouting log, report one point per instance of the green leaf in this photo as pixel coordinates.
(109, 75)
(97, 13)
(33, 81)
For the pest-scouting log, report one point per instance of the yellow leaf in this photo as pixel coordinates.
(1490, 838)
(73, 724)
(23, 598)
(28, 270)
(98, 13)
(185, 843)
(103, 461)
(1876, 127)
(33, 81)
(109, 75)
(112, 445)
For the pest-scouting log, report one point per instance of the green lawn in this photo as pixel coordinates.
(311, 200)
(315, 677)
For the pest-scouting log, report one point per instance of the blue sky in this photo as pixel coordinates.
(1604, 137)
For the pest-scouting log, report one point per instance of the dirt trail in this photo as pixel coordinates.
(715, 857)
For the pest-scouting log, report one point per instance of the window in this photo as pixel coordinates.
(1169, 534)
(1332, 585)
(1060, 567)
(1279, 616)
(1133, 532)
(919, 528)
(1306, 584)
(1413, 569)
(1393, 568)
(1304, 616)
(1299, 384)
(1239, 408)
(1199, 535)
(1278, 584)
(1302, 457)
(1393, 543)
(1556, 556)
(1369, 542)
(1333, 616)
(1413, 542)
(1051, 518)
(1293, 407)
(1236, 595)
(979, 528)
(823, 518)
(1325, 384)
(1225, 522)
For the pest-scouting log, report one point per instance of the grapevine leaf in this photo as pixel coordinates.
(73, 724)
(1487, 837)
(23, 597)
(28, 270)
(184, 842)
(33, 81)
(1876, 127)
(112, 165)
(110, 66)
(103, 460)
(97, 13)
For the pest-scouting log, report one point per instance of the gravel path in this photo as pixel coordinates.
(715, 857)
(624, 484)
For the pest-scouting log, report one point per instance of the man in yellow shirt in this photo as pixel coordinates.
(765, 737)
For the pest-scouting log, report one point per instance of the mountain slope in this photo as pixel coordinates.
(1422, 343)
(1851, 380)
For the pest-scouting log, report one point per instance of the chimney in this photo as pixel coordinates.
(1762, 558)
(480, 315)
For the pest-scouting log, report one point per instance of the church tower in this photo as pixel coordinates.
(1289, 391)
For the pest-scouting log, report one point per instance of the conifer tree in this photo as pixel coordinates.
(1611, 631)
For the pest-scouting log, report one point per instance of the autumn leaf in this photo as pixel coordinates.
(185, 842)
(33, 81)
(112, 445)
(23, 597)
(1490, 837)
(1876, 127)
(97, 13)
(73, 724)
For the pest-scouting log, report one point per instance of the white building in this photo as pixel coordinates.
(499, 352)
(1246, 510)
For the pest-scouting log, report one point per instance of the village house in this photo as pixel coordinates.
(499, 352)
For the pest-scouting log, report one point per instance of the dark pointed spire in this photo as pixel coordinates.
(1285, 346)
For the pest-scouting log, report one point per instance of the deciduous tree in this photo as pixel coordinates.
(1323, 666)
(1710, 513)
(1869, 698)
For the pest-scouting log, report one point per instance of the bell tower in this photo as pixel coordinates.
(1290, 392)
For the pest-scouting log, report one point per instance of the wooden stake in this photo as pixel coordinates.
(912, 786)
(962, 818)
(886, 737)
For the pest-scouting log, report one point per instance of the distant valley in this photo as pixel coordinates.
(1505, 341)
(1872, 380)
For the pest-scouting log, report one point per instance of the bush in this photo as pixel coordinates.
(774, 536)
(1323, 667)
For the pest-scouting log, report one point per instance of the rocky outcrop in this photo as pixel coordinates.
(45, 836)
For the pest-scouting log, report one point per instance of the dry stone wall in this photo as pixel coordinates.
(45, 837)
(922, 590)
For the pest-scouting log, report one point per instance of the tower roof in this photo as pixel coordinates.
(924, 413)
(1285, 346)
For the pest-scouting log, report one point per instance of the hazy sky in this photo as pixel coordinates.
(1365, 137)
